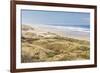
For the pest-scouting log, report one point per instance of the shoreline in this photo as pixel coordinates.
(80, 35)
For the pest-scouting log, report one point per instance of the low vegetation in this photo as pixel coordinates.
(57, 48)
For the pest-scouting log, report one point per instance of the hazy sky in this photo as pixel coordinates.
(54, 17)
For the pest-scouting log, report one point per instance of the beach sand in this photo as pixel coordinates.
(76, 34)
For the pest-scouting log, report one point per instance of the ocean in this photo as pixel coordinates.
(82, 28)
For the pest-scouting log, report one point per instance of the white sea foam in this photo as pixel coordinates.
(73, 28)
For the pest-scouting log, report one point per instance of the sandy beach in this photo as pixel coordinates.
(61, 31)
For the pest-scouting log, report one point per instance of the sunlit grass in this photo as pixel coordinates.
(61, 49)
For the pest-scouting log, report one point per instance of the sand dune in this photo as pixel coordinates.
(40, 44)
(43, 30)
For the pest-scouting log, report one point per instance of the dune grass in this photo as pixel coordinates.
(54, 49)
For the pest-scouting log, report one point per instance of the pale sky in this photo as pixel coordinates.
(54, 17)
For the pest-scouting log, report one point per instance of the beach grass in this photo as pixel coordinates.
(53, 48)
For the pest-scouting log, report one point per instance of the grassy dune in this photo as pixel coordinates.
(39, 48)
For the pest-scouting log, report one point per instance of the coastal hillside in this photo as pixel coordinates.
(39, 45)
